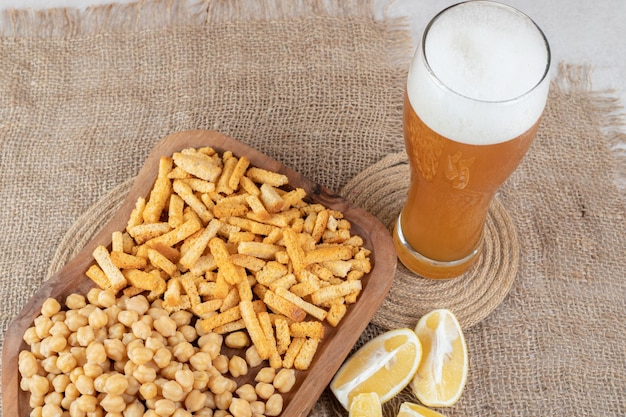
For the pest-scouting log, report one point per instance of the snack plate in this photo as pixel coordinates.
(335, 345)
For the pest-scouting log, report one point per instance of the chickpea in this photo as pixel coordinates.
(165, 326)
(181, 317)
(170, 370)
(138, 303)
(96, 353)
(154, 342)
(162, 357)
(50, 307)
(200, 361)
(43, 325)
(144, 373)
(106, 298)
(211, 343)
(176, 339)
(84, 385)
(200, 380)
(30, 336)
(116, 385)
(39, 385)
(188, 332)
(141, 329)
(252, 357)
(285, 380)
(80, 354)
(274, 405)
(140, 355)
(100, 382)
(113, 403)
(221, 413)
(87, 310)
(257, 407)
(71, 392)
(59, 328)
(266, 374)
(240, 408)
(264, 390)
(173, 391)
(36, 411)
(93, 294)
(181, 413)
(85, 335)
(184, 377)
(218, 384)
(75, 301)
(36, 401)
(183, 351)
(237, 366)
(133, 386)
(116, 331)
(76, 411)
(194, 400)
(87, 403)
(237, 340)
(56, 343)
(60, 382)
(134, 409)
(53, 398)
(75, 321)
(98, 318)
(223, 400)
(156, 312)
(27, 364)
(51, 410)
(148, 390)
(115, 349)
(247, 393)
(165, 407)
(127, 318)
(221, 363)
(94, 370)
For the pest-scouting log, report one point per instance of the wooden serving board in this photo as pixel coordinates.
(337, 342)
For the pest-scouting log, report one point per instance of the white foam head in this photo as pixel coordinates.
(480, 75)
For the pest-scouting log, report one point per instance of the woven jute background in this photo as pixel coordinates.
(83, 97)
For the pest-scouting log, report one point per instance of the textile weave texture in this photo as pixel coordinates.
(84, 96)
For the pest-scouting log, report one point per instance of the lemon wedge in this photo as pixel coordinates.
(366, 404)
(408, 409)
(442, 373)
(385, 365)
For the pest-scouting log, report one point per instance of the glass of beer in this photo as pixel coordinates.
(475, 92)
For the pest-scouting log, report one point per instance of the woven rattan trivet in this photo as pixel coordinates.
(381, 189)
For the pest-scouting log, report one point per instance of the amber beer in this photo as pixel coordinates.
(475, 94)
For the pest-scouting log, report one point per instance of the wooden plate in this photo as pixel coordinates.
(337, 342)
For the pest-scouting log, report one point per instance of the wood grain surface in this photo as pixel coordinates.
(337, 342)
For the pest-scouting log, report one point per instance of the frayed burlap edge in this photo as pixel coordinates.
(156, 14)
(608, 111)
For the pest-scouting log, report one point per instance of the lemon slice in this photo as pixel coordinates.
(385, 365)
(366, 404)
(408, 409)
(441, 376)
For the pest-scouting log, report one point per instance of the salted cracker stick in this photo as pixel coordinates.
(102, 257)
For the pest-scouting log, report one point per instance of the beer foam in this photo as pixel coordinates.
(479, 76)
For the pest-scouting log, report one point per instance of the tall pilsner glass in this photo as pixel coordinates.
(476, 90)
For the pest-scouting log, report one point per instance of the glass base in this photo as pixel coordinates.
(430, 268)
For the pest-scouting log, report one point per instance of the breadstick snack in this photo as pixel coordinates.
(219, 291)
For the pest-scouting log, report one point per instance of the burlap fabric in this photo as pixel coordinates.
(84, 97)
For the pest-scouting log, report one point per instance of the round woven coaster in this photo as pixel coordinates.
(381, 190)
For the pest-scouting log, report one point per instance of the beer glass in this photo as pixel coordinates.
(475, 92)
